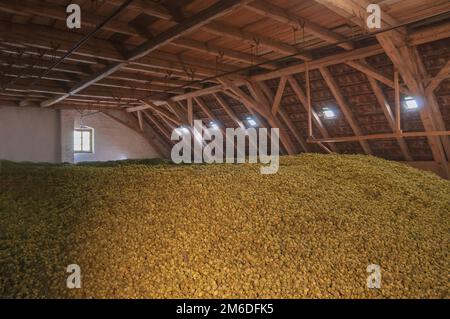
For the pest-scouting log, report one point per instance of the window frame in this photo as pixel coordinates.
(91, 140)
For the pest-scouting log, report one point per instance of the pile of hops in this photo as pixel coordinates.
(143, 230)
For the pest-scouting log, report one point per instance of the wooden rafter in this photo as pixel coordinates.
(155, 122)
(279, 95)
(317, 121)
(262, 108)
(409, 65)
(58, 13)
(188, 25)
(326, 74)
(375, 74)
(148, 7)
(405, 59)
(283, 115)
(228, 110)
(436, 81)
(161, 111)
(264, 103)
(171, 34)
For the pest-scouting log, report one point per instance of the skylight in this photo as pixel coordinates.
(328, 113)
(214, 125)
(411, 103)
(251, 122)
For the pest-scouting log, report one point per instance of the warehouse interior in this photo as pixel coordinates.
(86, 120)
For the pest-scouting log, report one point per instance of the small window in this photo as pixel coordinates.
(83, 140)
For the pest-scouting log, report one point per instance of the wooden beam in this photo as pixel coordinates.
(356, 54)
(215, 50)
(397, 102)
(395, 45)
(230, 31)
(279, 95)
(190, 112)
(389, 116)
(210, 115)
(308, 100)
(303, 100)
(264, 103)
(178, 110)
(326, 74)
(165, 37)
(141, 124)
(158, 109)
(267, 9)
(244, 98)
(188, 25)
(148, 7)
(258, 106)
(58, 12)
(436, 81)
(228, 110)
(382, 136)
(356, 11)
(160, 127)
(426, 35)
(368, 70)
(84, 84)
(408, 62)
(205, 108)
(285, 117)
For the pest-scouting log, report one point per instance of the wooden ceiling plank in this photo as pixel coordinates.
(242, 35)
(267, 9)
(171, 34)
(188, 25)
(220, 52)
(148, 7)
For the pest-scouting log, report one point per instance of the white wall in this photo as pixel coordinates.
(29, 134)
(46, 135)
(113, 141)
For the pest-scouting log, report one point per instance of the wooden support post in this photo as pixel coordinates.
(190, 112)
(141, 124)
(308, 97)
(397, 101)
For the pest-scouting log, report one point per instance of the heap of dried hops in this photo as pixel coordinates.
(157, 231)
